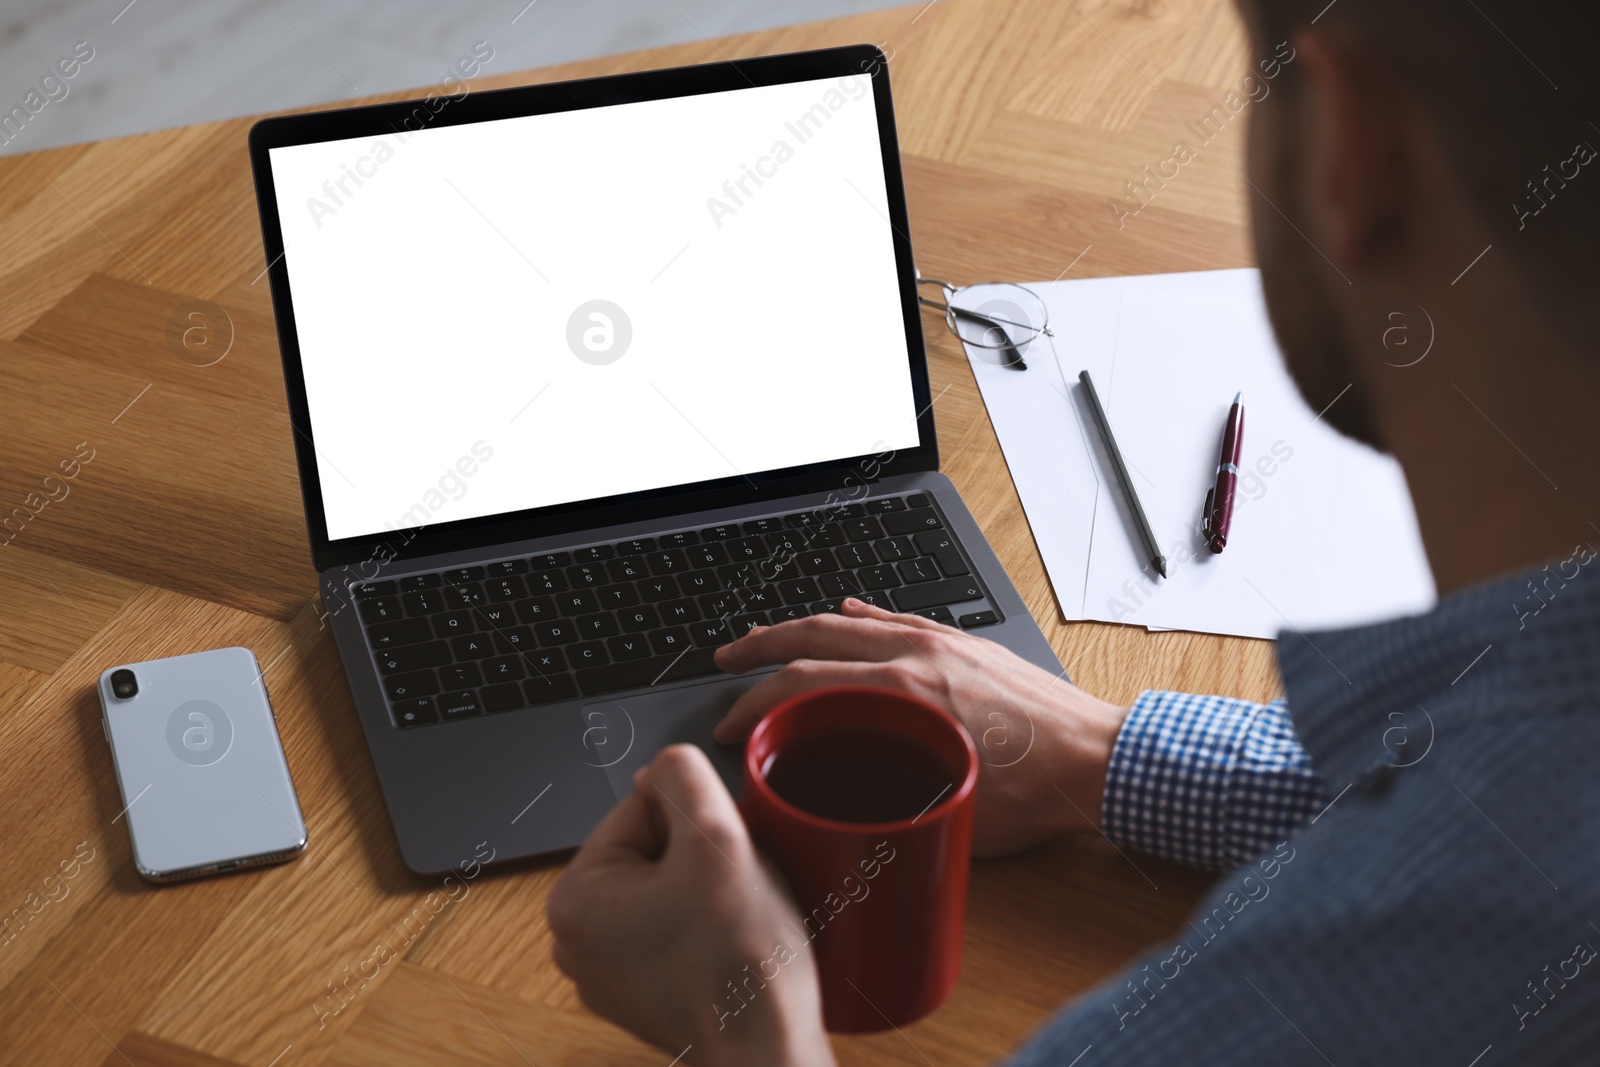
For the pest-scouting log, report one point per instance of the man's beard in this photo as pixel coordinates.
(1294, 278)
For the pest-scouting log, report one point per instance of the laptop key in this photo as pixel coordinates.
(880, 577)
(672, 561)
(472, 646)
(830, 535)
(778, 569)
(602, 624)
(454, 622)
(930, 594)
(500, 590)
(887, 504)
(457, 575)
(904, 522)
(550, 689)
(641, 673)
(679, 540)
(743, 624)
(867, 529)
(412, 684)
(680, 611)
(415, 711)
(550, 560)
(420, 581)
(504, 669)
(724, 532)
(654, 590)
(505, 697)
(468, 595)
(760, 598)
(628, 569)
(559, 632)
(747, 548)
(460, 705)
(637, 547)
(639, 619)
(799, 591)
(876, 599)
(939, 614)
(719, 605)
(381, 609)
(841, 584)
(710, 633)
(827, 607)
(917, 500)
(784, 614)
(460, 676)
(588, 654)
(762, 526)
(895, 549)
(392, 634)
(507, 567)
(854, 556)
(413, 657)
(696, 582)
(547, 582)
(788, 542)
(587, 575)
(820, 561)
(628, 646)
(496, 616)
(618, 596)
(593, 554)
(539, 609)
(373, 590)
(707, 555)
(546, 661)
(578, 602)
(979, 618)
(921, 569)
(671, 641)
(514, 640)
(942, 547)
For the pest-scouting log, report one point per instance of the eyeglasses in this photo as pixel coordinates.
(1002, 318)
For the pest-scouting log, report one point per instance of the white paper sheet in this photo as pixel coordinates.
(1324, 533)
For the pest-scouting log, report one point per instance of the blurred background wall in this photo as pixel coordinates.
(152, 64)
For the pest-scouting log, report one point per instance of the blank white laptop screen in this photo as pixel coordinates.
(534, 311)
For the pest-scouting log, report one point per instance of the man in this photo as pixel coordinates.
(1412, 836)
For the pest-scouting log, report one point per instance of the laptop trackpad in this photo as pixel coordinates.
(623, 735)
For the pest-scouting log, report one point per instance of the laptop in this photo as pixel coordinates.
(585, 380)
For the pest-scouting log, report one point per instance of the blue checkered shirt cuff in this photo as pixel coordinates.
(1208, 781)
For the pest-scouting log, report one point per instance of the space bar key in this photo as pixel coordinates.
(933, 594)
(646, 672)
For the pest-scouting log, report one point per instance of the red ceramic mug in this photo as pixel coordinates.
(882, 903)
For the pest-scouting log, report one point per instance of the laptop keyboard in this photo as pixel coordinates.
(533, 630)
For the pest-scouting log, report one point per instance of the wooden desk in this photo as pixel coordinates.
(1020, 120)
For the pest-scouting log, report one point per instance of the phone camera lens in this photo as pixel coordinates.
(124, 684)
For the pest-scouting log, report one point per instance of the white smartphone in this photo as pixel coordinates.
(205, 785)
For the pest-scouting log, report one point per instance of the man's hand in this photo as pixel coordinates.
(1043, 744)
(671, 925)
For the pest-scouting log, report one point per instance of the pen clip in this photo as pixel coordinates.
(1205, 514)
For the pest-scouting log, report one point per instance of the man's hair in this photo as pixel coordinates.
(1512, 87)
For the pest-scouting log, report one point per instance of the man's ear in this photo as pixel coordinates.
(1358, 163)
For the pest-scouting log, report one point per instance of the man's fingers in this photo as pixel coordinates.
(627, 833)
(696, 807)
(835, 637)
(860, 609)
(797, 678)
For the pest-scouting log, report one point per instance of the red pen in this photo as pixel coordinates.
(1218, 511)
